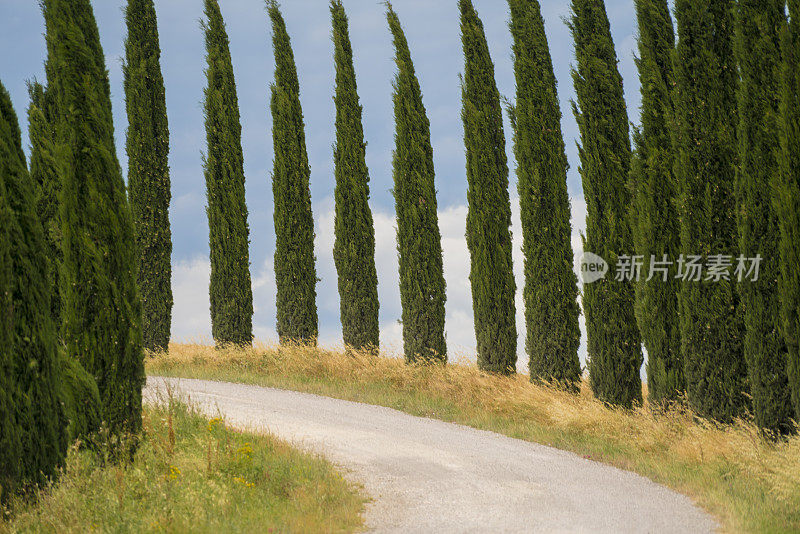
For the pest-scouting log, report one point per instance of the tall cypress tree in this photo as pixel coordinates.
(100, 300)
(422, 284)
(654, 218)
(295, 272)
(44, 171)
(551, 287)
(711, 326)
(148, 170)
(33, 344)
(787, 198)
(231, 293)
(10, 430)
(758, 53)
(615, 354)
(354, 248)
(489, 207)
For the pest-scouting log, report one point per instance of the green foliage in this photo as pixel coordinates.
(44, 171)
(422, 284)
(231, 293)
(759, 25)
(100, 299)
(295, 272)
(614, 344)
(705, 140)
(148, 170)
(29, 405)
(81, 399)
(354, 248)
(489, 215)
(787, 198)
(10, 446)
(551, 289)
(654, 219)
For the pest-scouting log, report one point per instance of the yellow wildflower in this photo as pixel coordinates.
(173, 473)
(214, 423)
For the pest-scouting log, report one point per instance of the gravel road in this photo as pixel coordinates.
(429, 476)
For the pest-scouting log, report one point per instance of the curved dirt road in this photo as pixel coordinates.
(428, 476)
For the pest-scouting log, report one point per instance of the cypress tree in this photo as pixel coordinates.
(81, 400)
(231, 294)
(758, 53)
(148, 171)
(787, 198)
(32, 345)
(422, 284)
(489, 207)
(711, 325)
(614, 344)
(100, 300)
(295, 271)
(10, 430)
(551, 287)
(654, 216)
(44, 172)
(354, 247)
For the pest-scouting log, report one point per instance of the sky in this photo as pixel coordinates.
(432, 29)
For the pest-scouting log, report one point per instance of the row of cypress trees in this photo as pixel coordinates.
(695, 184)
(553, 339)
(703, 183)
(681, 189)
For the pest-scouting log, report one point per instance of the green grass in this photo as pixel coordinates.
(192, 474)
(748, 483)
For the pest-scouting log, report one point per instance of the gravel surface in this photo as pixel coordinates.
(426, 476)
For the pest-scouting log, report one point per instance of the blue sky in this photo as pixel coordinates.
(433, 32)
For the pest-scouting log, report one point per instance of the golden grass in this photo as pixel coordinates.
(750, 484)
(193, 475)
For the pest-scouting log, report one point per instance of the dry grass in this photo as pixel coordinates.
(748, 483)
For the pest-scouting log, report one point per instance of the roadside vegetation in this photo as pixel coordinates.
(749, 483)
(192, 474)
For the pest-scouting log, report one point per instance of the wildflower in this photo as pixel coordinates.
(173, 473)
(244, 482)
(245, 450)
(214, 423)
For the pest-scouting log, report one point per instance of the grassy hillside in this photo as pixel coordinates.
(748, 483)
(194, 475)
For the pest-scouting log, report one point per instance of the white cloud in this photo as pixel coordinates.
(459, 325)
(265, 292)
(191, 319)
